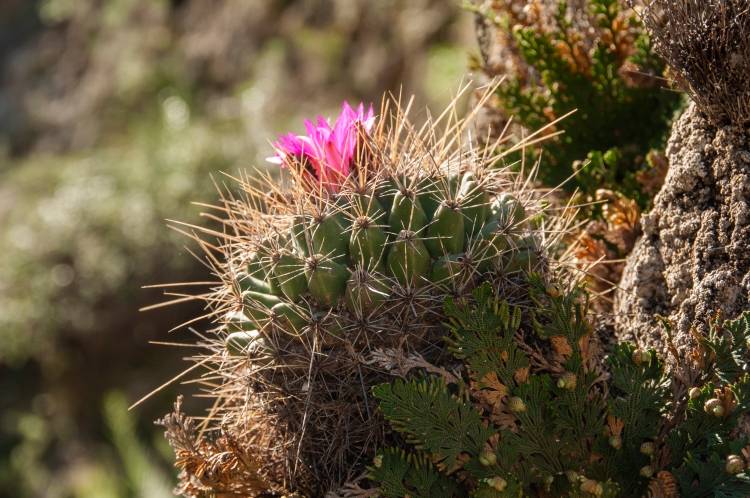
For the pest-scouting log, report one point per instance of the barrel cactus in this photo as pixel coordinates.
(343, 259)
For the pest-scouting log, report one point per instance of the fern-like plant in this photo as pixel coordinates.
(534, 412)
(594, 58)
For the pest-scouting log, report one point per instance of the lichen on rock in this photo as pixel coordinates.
(694, 257)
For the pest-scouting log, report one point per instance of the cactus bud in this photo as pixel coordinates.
(648, 448)
(735, 464)
(487, 458)
(647, 471)
(615, 442)
(516, 405)
(694, 392)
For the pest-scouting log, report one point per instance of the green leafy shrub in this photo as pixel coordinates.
(535, 412)
(596, 60)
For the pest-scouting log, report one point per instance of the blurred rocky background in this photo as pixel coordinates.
(114, 115)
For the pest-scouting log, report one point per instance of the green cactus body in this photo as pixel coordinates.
(239, 343)
(366, 291)
(328, 236)
(367, 242)
(289, 273)
(447, 268)
(406, 213)
(249, 283)
(238, 321)
(507, 210)
(445, 234)
(429, 196)
(288, 317)
(408, 259)
(475, 204)
(326, 279)
(386, 192)
(299, 235)
(369, 206)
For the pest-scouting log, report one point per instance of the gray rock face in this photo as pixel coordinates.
(693, 259)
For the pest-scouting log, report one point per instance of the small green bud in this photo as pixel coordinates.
(647, 471)
(694, 392)
(735, 464)
(378, 461)
(648, 448)
(516, 405)
(615, 442)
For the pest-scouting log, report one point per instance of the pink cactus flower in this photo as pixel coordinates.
(326, 151)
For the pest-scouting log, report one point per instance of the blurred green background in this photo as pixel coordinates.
(113, 116)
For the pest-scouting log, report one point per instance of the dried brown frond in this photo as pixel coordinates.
(663, 485)
(223, 463)
(603, 245)
(707, 46)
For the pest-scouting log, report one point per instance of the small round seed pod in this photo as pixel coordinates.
(714, 407)
(648, 448)
(735, 464)
(567, 381)
(516, 405)
(488, 458)
(592, 487)
(694, 392)
(647, 471)
(497, 483)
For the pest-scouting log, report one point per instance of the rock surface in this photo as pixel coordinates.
(694, 256)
